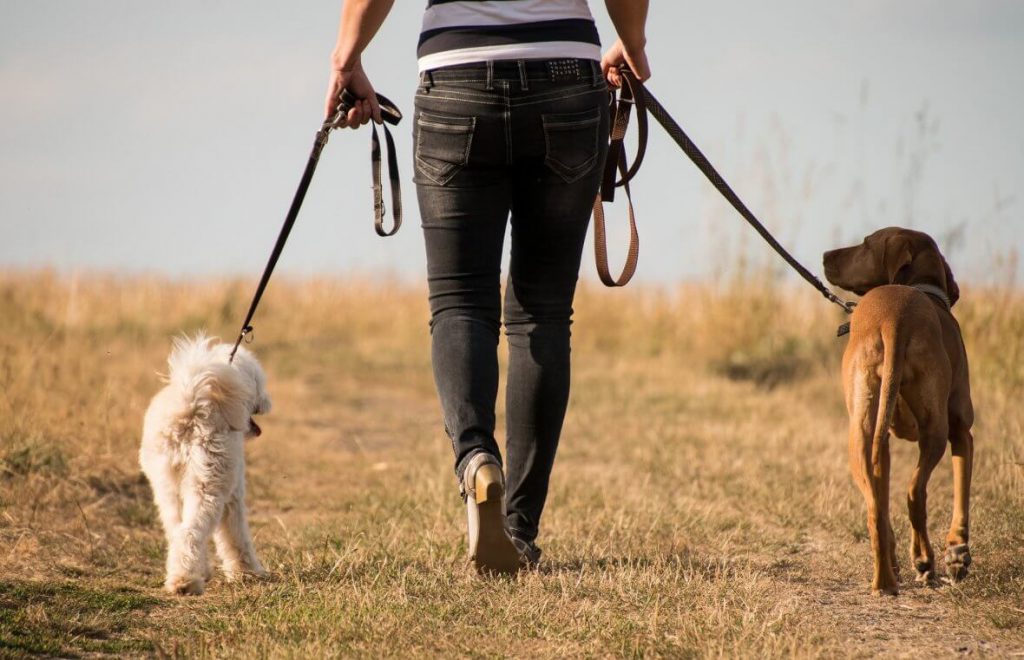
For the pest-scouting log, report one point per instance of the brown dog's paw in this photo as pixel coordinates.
(925, 571)
(958, 560)
(927, 578)
(885, 587)
(886, 591)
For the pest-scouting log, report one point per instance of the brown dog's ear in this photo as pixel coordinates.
(897, 258)
(952, 290)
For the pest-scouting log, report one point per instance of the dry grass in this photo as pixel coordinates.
(701, 503)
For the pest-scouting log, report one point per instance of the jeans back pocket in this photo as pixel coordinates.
(571, 143)
(443, 143)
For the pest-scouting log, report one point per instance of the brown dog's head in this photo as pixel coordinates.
(890, 256)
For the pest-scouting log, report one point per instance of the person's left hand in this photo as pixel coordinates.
(355, 81)
(634, 56)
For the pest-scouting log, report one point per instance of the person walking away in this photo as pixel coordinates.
(511, 119)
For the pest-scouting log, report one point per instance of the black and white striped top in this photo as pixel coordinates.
(463, 31)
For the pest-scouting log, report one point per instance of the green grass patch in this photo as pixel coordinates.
(66, 619)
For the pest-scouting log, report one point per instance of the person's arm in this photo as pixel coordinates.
(360, 20)
(630, 20)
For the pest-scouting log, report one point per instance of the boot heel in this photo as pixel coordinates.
(490, 546)
(488, 484)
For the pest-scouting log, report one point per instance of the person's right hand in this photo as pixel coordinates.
(355, 81)
(619, 55)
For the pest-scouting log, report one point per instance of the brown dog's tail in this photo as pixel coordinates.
(893, 352)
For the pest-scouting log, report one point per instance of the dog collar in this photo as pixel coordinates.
(935, 292)
(929, 289)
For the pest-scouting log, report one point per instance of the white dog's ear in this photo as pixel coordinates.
(247, 364)
(263, 405)
(231, 393)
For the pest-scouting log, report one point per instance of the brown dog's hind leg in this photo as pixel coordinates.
(875, 488)
(930, 429)
(921, 554)
(958, 554)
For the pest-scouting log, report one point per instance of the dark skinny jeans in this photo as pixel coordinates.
(526, 139)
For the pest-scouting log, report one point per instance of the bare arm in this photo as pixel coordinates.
(630, 20)
(360, 20)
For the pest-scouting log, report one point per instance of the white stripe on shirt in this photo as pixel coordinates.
(540, 50)
(502, 12)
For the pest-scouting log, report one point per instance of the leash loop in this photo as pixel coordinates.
(621, 106)
(601, 238)
(379, 210)
(390, 114)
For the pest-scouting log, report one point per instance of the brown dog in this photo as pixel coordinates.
(905, 369)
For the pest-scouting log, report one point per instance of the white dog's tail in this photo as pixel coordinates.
(208, 384)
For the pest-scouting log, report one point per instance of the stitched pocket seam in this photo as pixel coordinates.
(556, 123)
(457, 126)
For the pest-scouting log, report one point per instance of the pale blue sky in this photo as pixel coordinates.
(128, 128)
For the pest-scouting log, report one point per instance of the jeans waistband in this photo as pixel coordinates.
(522, 71)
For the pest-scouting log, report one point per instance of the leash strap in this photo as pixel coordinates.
(391, 115)
(707, 169)
(647, 103)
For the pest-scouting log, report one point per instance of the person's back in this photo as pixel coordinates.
(511, 118)
(481, 30)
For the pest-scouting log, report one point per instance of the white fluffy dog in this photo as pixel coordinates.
(192, 455)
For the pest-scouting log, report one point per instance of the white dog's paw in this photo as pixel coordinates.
(239, 574)
(185, 585)
(259, 573)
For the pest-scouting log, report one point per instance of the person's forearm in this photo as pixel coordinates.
(360, 20)
(630, 20)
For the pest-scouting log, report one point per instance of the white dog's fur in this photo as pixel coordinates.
(193, 456)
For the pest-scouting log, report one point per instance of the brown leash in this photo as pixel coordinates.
(634, 93)
(620, 109)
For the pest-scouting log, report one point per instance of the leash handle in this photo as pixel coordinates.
(389, 112)
(621, 103)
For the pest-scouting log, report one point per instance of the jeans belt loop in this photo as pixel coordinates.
(426, 81)
(490, 76)
(524, 80)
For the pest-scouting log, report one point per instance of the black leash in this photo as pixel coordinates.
(635, 93)
(391, 115)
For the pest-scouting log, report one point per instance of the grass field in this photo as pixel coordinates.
(701, 503)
